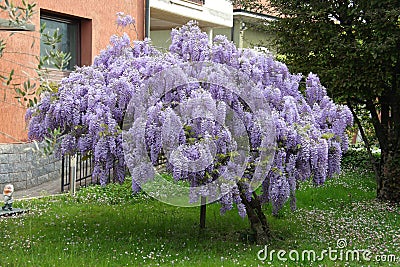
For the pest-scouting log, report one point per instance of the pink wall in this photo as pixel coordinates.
(97, 27)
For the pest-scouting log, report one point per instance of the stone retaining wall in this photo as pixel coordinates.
(24, 168)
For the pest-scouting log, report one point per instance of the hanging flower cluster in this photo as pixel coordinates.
(189, 124)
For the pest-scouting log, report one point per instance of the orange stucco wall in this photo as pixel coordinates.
(22, 47)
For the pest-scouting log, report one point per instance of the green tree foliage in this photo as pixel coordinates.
(354, 46)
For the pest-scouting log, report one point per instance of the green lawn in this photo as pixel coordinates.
(139, 231)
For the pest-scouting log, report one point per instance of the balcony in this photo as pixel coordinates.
(168, 14)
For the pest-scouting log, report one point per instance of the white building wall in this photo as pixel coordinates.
(216, 13)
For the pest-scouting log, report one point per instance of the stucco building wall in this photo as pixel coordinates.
(97, 26)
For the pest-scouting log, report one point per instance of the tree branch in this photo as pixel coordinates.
(365, 139)
(380, 130)
(11, 137)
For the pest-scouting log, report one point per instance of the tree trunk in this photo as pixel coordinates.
(389, 183)
(387, 129)
(203, 211)
(258, 221)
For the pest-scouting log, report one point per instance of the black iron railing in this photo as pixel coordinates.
(84, 169)
(83, 172)
(199, 2)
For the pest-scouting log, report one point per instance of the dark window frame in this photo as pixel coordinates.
(67, 20)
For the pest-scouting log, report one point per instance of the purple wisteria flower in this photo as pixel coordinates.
(124, 20)
(197, 125)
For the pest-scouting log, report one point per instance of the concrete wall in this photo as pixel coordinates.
(250, 38)
(24, 168)
(161, 39)
(223, 31)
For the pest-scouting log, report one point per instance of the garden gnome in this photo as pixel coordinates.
(8, 199)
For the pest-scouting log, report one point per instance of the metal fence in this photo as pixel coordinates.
(84, 170)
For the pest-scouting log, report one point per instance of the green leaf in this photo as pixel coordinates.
(19, 92)
(10, 77)
(327, 136)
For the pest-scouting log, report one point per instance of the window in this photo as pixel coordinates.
(69, 30)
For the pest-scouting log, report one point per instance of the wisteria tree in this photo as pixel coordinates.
(220, 120)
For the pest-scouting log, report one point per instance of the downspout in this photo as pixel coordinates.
(147, 19)
(233, 31)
